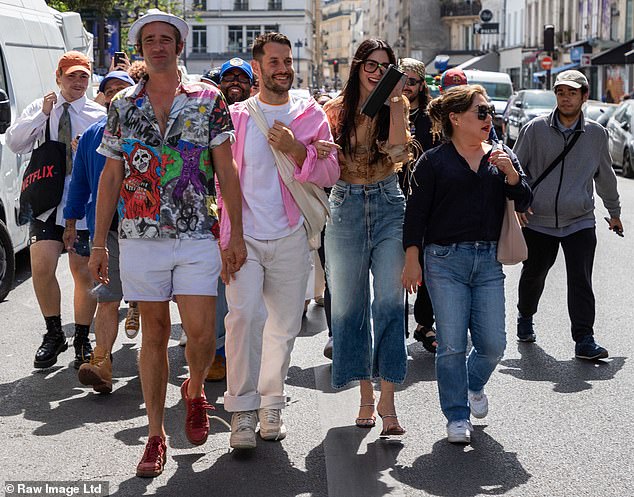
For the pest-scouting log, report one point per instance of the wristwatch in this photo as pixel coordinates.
(395, 99)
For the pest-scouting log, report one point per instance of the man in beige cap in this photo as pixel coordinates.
(68, 113)
(165, 142)
(565, 157)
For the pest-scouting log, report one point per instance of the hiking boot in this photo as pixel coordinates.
(196, 421)
(132, 322)
(98, 373)
(53, 344)
(525, 332)
(154, 458)
(243, 425)
(588, 349)
(459, 432)
(271, 424)
(479, 404)
(217, 370)
(81, 342)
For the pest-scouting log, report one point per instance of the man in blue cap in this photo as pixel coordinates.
(236, 78)
(81, 201)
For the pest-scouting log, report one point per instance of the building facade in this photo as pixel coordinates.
(222, 29)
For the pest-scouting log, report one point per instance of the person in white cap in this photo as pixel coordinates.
(565, 156)
(165, 141)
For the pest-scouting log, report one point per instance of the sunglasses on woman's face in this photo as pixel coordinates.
(370, 66)
(484, 111)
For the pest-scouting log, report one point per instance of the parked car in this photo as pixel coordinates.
(526, 105)
(599, 111)
(620, 130)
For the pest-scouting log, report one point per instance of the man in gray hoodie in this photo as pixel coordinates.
(562, 212)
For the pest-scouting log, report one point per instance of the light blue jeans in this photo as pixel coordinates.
(365, 235)
(466, 285)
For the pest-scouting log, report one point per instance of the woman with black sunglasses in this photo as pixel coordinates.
(363, 236)
(455, 215)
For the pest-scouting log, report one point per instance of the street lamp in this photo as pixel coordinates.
(299, 44)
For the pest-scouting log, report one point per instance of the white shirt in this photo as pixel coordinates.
(23, 135)
(263, 214)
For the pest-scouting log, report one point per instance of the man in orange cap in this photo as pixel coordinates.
(69, 113)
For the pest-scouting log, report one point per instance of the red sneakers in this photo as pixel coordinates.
(196, 422)
(153, 459)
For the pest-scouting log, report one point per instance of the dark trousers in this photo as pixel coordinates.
(578, 250)
(423, 311)
(327, 303)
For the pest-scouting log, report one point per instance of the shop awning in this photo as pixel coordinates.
(555, 70)
(615, 55)
(449, 59)
(487, 62)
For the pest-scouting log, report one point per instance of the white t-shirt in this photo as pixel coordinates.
(263, 214)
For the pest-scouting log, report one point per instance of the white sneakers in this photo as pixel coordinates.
(271, 425)
(479, 404)
(459, 432)
(243, 424)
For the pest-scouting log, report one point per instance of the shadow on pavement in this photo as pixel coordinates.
(569, 376)
(482, 468)
(351, 474)
(232, 474)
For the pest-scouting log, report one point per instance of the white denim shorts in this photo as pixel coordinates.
(157, 270)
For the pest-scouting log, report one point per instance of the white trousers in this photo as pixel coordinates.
(265, 301)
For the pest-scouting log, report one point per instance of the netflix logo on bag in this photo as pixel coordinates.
(45, 172)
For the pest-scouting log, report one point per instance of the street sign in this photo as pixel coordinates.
(547, 63)
(586, 60)
(487, 28)
(486, 15)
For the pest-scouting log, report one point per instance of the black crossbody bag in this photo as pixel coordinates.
(43, 180)
(559, 158)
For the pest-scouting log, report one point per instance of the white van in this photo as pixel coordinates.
(499, 88)
(31, 43)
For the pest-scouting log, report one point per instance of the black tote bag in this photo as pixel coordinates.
(43, 180)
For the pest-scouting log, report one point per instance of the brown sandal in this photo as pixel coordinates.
(392, 429)
(366, 422)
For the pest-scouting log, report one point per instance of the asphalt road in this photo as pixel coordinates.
(557, 427)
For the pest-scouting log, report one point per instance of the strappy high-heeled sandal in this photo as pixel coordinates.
(366, 422)
(392, 430)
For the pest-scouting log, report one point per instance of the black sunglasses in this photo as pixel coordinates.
(240, 78)
(484, 111)
(413, 81)
(371, 66)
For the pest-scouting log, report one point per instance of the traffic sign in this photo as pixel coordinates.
(547, 63)
(486, 15)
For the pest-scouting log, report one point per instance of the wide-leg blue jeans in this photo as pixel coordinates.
(365, 235)
(466, 285)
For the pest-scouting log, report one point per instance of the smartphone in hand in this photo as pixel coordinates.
(616, 229)
(119, 58)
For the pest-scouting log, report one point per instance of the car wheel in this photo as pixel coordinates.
(628, 170)
(7, 262)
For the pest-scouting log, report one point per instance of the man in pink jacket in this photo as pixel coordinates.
(266, 296)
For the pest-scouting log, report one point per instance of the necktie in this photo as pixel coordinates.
(64, 136)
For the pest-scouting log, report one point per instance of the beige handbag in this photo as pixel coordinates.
(512, 247)
(310, 198)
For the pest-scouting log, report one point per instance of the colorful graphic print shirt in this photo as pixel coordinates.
(168, 187)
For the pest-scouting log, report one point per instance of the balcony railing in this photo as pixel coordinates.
(454, 9)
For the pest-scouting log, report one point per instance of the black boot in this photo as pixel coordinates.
(81, 342)
(54, 343)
